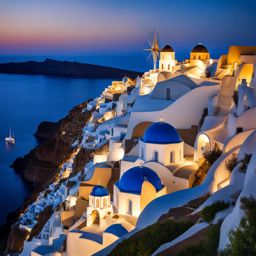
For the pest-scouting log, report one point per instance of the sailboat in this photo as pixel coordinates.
(10, 139)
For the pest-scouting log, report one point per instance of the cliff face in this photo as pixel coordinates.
(16, 245)
(46, 130)
(83, 156)
(43, 161)
(40, 166)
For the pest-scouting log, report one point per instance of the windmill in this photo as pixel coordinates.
(154, 47)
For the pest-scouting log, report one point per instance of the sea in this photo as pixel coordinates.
(27, 100)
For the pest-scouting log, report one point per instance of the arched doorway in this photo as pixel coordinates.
(203, 145)
(95, 217)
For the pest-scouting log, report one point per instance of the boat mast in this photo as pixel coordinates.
(10, 132)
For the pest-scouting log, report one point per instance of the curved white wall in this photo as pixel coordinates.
(249, 144)
(176, 90)
(246, 120)
(236, 140)
(171, 182)
(233, 219)
(183, 113)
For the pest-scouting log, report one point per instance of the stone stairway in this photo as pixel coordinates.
(225, 95)
(222, 73)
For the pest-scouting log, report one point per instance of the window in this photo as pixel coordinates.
(168, 93)
(172, 157)
(129, 207)
(97, 203)
(155, 156)
(105, 202)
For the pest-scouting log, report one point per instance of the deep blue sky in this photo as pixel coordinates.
(79, 28)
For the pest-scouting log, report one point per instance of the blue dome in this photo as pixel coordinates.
(161, 133)
(132, 180)
(99, 191)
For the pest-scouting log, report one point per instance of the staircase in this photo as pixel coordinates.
(225, 95)
(222, 73)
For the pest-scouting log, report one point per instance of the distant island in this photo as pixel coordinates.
(65, 68)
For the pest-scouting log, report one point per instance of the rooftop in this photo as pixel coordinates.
(167, 48)
(132, 180)
(99, 190)
(200, 48)
(161, 133)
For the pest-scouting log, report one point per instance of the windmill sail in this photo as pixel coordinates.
(154, 48)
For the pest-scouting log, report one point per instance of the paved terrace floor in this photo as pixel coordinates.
(184, 170)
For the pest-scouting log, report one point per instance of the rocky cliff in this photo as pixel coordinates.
(46, 130)
(43, 161)
(40, 166)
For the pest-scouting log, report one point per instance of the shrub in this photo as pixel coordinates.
(232, 162)
(243, 239)
(212, 155)
(245, 162)
(235, 98)
(201, 172)
(145, 242)
(206, 246)
(193, 250)
(208, 213)
(204, 114)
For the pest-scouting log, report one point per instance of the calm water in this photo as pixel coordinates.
(25, 101)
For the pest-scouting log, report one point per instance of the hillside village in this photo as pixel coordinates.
(168, 145)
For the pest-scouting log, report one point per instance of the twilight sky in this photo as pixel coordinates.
(82, 27)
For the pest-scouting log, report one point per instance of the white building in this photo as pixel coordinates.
(167, 59)
(136, 188)
(162, 150)
(161, 143)
(99, 205)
